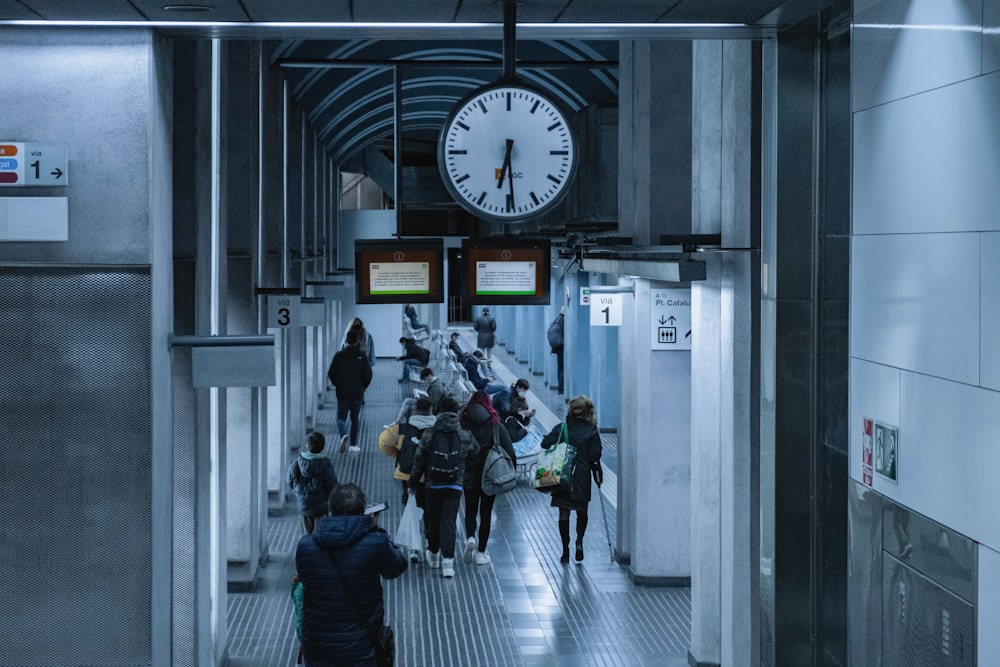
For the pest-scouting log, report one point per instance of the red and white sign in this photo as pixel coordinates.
(866, 452)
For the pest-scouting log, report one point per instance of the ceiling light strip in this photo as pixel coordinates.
(429, 30)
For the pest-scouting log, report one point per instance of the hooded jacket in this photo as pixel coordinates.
(312, 477)
(350, 373)
(477, 419)
(446, 422)
(332, 629)
(390, 439)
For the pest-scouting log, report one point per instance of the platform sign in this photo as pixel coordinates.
(24, 164)
(584, 296)
(670, 319)
(606, 309)
(284, 311)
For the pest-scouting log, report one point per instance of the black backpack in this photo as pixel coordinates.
(444, 458)
(410, 436)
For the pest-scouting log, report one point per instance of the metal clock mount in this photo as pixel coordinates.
(507, 151)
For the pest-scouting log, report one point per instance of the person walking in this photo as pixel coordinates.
(341, 565)
(399, 442)
(479, 417)
(350, 374)
(312, 477)
(554, 334)
(440, 462)
(365, 341)
(581, 423)
(485, 327)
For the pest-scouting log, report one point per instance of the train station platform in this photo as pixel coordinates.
(525, 608)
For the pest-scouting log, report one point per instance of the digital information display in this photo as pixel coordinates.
(400, 278)
(399, 271)
(506, 271)
(505, 278)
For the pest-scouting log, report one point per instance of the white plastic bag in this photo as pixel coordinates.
(409, 534)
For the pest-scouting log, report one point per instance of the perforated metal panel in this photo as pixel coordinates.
(75, 456)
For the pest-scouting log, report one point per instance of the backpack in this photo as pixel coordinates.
(499, 475)
(444, 458)
(555, 332)
(410, 437)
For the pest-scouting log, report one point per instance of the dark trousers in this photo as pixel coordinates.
(558, 351)
(440, 514)
(477, 502)
(352, 407)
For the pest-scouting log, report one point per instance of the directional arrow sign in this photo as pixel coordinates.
(670, 319)
(24, 164)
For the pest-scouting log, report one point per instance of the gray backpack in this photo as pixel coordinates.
(499, 475)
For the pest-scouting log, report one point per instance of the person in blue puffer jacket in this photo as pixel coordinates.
(346, 547)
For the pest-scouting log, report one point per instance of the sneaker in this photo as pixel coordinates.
(447, 568)
(414, 555)
(433, 559)
(344, 441)
(470, 548)
(483, 558)
(400, 380)
(354, 449)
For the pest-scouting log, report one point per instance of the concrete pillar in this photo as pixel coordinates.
(725, 524)
(655, 421)
(244, 481)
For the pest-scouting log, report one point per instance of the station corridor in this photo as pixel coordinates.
(524, 609)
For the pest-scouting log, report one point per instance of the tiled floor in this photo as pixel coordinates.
(524, 609)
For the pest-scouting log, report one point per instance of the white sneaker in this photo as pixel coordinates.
(483, 558)
(414, 555)
(353, 449)
(448, 568)
(433, 559)
(344, 441)
(470, 548)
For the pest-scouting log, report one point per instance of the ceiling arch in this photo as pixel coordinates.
(347, 87)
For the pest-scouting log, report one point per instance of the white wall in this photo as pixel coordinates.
(925, 260)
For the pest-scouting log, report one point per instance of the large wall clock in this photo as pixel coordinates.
(507, 152)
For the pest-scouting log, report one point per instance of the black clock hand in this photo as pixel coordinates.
(506, 170)
(510, 177)
(505, 167)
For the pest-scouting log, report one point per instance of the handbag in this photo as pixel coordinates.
(409, 534)
(555, 465)
(384, 641)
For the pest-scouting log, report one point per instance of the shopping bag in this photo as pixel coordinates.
(408, 534)
(555, 465)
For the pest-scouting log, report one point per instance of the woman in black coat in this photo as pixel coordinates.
(479, 417)
(583, 435)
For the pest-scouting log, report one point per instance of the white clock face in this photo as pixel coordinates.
(507, 153)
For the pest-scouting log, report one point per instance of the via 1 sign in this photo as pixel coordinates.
(32, 164)
(606, 309)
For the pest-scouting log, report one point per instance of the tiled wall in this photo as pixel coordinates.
(925, 264)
